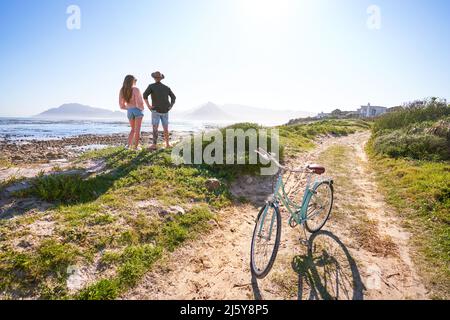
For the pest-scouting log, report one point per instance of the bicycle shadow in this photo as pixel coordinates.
(326, 272)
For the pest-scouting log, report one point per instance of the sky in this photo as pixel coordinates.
(308, 55)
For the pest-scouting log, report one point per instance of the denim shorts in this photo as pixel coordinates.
(134, 113)
(163, 117)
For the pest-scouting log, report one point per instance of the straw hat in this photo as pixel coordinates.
(157, 75)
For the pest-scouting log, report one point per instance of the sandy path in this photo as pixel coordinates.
(216, 266)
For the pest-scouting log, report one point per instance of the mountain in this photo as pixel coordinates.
(79, 111)
(233, 113)
(208, 112)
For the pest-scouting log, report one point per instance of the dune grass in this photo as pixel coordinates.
(98, 213)
(418, 185)
(96, 220)
(299, 137)
(432, 111)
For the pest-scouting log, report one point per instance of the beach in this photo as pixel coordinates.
(26, 141)
(21, 152)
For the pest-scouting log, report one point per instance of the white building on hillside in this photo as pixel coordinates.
(323, 115)
(371, 111)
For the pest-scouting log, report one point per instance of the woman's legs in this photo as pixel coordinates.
(132, 133)
(137, 131)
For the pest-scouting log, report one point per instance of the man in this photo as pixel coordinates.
(160, 107)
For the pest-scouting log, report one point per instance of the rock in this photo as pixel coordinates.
(51, 155)
(206, 263)
(212, 184)
(17, 187)
(148, 204)
(177, 210)
(213, 224)
(24, 244)
(249, 180)
(163, 213)
(17, 158)
(77, 278)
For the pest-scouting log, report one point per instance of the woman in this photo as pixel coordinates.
(130, 99)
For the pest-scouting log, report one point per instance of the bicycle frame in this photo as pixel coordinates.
(297, 214)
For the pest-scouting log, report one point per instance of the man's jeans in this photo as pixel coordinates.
(156, 118)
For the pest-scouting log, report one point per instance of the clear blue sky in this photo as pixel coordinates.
(312, 55)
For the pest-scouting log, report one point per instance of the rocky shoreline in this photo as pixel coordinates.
(19, 152)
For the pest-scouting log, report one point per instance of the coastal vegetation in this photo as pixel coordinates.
(106, 229)
(410, 151)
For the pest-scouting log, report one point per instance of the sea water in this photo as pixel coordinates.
(40, 129)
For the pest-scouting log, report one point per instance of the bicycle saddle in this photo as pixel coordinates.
(317, 169)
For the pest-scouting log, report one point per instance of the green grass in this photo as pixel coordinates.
(98, 213)
(5, 163)
(336, 159)
(10, 181)
(136, 260)
(405, 117)
(420, 146)
(410, 149)
(299, 137)
(97, 217)
(29, 271)
(420, 190)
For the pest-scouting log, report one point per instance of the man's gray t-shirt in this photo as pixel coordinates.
(160, 97)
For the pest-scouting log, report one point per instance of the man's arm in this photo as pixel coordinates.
(173, 98)
(147, 93)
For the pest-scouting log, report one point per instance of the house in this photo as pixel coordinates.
(323, 115)
(371, 111)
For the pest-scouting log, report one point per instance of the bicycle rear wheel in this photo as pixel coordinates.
(319, 207)
(265, 241)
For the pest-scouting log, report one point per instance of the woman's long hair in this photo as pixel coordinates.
(127, 88)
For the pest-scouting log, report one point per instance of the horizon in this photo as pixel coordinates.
(333, 55)
(177, 111)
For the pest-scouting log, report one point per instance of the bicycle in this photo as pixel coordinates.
(317, 203)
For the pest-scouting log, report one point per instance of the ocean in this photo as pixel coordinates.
(39, 129)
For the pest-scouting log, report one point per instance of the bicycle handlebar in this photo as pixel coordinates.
(271, 157)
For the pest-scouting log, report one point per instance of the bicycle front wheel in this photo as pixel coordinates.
(319, 207)
(265, 241)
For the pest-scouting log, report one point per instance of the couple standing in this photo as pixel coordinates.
(130, 99)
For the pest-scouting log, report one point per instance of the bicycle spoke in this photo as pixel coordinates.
(319, 207)
(264, 243)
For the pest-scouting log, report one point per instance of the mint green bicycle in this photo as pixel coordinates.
(313, 213)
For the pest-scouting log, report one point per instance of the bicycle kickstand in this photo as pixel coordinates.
(305, 241)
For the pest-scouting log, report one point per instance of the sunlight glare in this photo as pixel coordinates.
(266, 10)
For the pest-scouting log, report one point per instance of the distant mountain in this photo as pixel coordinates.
(79, 111)
(208, 112)
(239, 113)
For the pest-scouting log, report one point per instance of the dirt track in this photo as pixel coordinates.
(362, 253)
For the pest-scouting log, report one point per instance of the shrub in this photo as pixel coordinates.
(252, 133)
(67, 188)
(420, 146)
(103, 290)
(404, 117)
